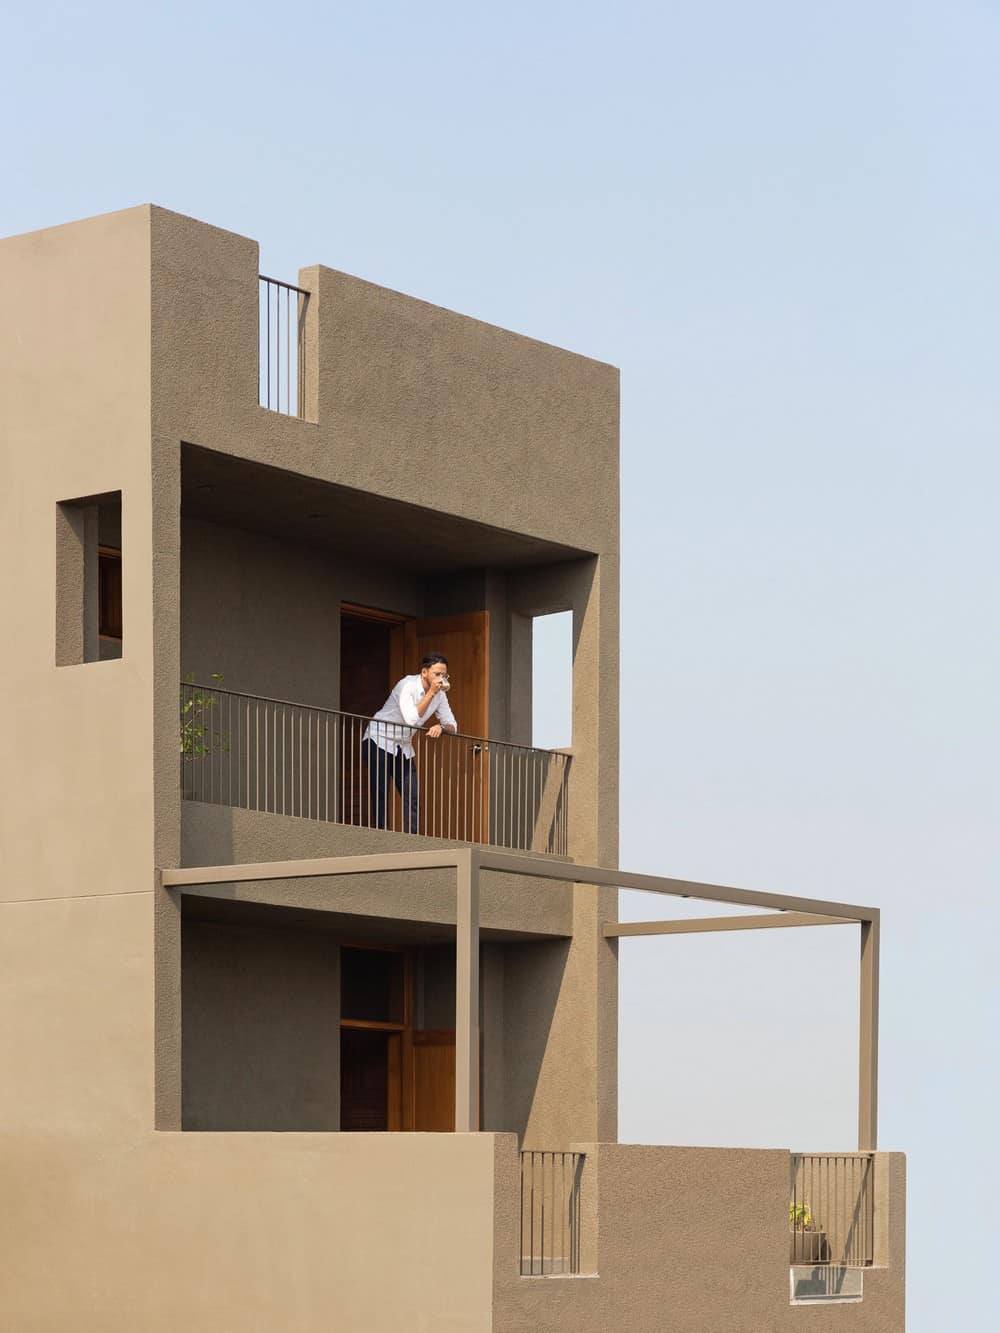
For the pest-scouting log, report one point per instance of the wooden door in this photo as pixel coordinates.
(365, 1077)
(371, 661)
(453, 772)
(433, 1073)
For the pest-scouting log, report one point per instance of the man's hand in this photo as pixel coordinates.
(435, 731)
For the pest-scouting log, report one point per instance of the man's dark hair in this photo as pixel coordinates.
(433, 658)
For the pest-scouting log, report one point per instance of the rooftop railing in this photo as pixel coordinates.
(550, 1213)
(284, 758)
(282, 359)
(832, 1209)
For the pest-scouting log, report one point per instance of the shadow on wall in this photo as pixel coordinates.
(261, 1012)
(209, 841)
(533, 978)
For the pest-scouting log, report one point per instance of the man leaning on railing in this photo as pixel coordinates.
(388, 739)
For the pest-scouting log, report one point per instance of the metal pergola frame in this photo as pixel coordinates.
(468, 864)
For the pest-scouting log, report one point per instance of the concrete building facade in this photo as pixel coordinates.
(266, 1065)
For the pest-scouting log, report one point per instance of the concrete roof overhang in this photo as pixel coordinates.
(387, 931)
(239, 493)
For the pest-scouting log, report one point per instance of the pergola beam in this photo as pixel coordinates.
(468, 862)
(514, 864)
(697, 925)
(189, 877)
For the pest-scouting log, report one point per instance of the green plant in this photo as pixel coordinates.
(199, 738)
(799, 1217)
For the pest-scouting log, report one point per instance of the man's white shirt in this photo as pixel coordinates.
(393, 725)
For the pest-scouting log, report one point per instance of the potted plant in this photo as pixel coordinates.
(808, 1242)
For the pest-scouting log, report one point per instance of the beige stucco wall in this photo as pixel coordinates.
(77, 810)
(108, 1225)
(694, 1240)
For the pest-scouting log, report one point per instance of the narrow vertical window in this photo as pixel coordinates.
(89, 618)
(552, 681)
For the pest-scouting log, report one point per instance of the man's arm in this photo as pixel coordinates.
(414, 701)
(445, 716)
(411, 704)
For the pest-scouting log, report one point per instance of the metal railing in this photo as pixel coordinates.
(550, 1213)
(281, 333)
(315, 763)
(832, 1209)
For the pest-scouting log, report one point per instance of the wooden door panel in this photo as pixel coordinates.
(465, 641)
(433, 1063)
(453, 773)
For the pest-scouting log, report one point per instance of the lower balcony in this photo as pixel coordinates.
(831, 1218)
(704, 1229)
(269, 755)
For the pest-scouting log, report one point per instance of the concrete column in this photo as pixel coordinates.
(868, 1039)
(467, 995)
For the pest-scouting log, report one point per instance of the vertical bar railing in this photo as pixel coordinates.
(550, 1213)
(281, 337)
(832, 1209)
(286, 758)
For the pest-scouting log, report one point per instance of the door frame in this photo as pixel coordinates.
(402, 1088)
(400, 1045)
(397, 623)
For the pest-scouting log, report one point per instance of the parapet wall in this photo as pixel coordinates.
(694, 1240)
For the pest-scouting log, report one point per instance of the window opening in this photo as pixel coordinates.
(552, 681)
(89, 602)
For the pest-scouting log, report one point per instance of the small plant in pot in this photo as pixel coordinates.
(808, 1242)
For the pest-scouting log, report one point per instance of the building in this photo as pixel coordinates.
(269, 501)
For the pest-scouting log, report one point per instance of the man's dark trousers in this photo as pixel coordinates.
(385, 768)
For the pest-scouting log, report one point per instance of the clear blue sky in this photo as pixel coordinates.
(781, 221)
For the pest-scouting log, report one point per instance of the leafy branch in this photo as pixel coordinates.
(199, 737)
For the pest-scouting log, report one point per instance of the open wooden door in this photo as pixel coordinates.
(453, 772)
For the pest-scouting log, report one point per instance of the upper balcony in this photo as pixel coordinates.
(303, 603)
(282, 758)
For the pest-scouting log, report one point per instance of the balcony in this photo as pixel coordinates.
(831, 1210)
(831, 1219)
(550, 1213)
(254, 753)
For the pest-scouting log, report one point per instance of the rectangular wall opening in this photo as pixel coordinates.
(552, 681)
(89, 616)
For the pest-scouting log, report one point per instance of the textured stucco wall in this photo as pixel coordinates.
(527, 432)
(218, 835)
(261, 1034)
(265, 613)
(526, 435)
(690, 1240)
